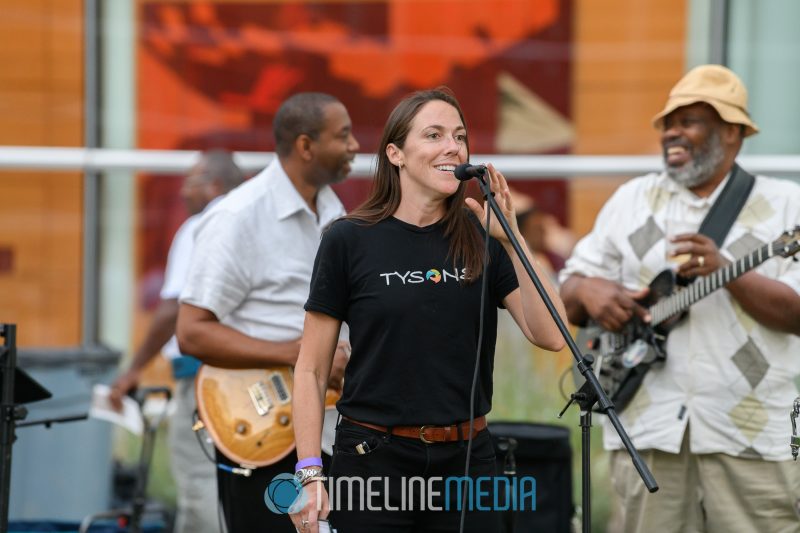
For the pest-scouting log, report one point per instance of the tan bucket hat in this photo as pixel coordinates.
(715, 85)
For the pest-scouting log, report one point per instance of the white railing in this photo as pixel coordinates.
(93, 162)
(513, 166)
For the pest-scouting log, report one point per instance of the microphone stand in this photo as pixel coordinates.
(591, 391)
(508, 445)
(794, 441)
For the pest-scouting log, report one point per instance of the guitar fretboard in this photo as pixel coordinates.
(683, 298)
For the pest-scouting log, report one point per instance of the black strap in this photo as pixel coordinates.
(728, 205)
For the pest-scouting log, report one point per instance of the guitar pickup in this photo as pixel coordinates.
(260, 398)
(280, 388)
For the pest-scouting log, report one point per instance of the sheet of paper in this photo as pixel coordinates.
(130, 417)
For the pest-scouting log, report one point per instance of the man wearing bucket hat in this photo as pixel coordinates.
(712, 421)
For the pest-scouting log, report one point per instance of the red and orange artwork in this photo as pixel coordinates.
(212, 74)
(210, 67)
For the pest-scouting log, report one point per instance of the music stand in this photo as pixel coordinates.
(16, 388)
(27, 389)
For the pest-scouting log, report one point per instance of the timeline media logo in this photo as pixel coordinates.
(285, 495)
(485, 493)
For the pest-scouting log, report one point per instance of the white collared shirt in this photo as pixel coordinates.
(177, 270)
(254, 253)
(730, 376)
(253, 256)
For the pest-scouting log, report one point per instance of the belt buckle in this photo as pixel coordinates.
(422, 435)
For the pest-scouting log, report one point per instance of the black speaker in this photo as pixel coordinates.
(542, 451)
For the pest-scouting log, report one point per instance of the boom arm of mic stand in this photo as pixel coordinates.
(606, 406)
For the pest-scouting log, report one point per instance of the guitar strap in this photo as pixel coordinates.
(728, 205)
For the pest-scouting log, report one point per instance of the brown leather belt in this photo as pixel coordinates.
(430, 434)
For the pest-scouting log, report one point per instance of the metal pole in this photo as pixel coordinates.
(718, 32)
(8, 416)
(91, 179)
(586, 469)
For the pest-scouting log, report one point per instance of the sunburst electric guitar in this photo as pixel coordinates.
(248, 413)
(623, 359)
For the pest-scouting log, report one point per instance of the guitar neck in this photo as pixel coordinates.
(684, 298)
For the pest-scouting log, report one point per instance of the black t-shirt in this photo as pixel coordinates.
(413, 325)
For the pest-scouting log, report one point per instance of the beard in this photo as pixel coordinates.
(330, 174)
(701, 168)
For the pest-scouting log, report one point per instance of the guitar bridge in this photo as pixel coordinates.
(260, 398)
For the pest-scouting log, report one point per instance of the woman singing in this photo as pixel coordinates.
(405, 271)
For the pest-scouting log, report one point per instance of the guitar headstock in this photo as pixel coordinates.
(788, 243)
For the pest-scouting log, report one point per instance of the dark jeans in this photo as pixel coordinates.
(391, 462)
(242, 498)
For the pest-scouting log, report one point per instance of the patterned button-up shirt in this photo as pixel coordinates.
(730, 377)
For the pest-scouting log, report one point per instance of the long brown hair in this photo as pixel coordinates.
(384, 198)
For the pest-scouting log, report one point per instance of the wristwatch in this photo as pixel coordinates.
(305, 473)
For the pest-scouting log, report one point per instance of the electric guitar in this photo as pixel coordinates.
(622, 359)
(248, 413)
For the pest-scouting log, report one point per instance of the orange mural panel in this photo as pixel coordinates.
(212, 74)
(220, 70)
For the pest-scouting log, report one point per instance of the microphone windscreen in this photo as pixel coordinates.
(465, 171)
(461, 172)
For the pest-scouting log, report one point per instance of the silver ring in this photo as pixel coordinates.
(304, 523)
(701, 260)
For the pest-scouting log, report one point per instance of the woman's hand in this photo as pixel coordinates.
(316, 508)
(498, 186)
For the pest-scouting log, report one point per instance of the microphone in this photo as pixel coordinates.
(465, 171)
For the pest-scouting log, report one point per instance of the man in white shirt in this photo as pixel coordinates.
(242, 306)
(712, 422)
(195, 476)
